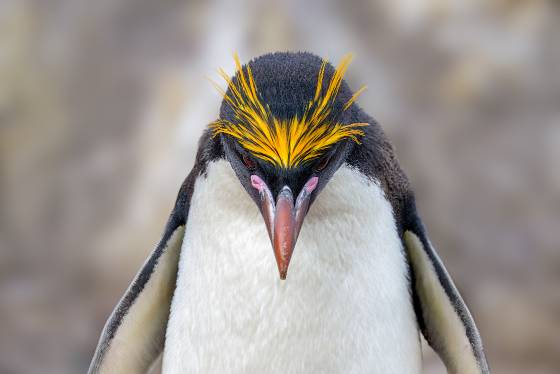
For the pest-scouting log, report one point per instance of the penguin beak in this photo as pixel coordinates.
(284, 218)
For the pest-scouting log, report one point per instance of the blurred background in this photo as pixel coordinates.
(102, 103)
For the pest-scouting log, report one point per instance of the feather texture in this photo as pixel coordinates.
(345, 307)
(286, 143)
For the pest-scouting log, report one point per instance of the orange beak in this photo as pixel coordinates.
(284, 218)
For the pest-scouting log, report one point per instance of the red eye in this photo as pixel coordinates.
(322, 164)
(250, 164)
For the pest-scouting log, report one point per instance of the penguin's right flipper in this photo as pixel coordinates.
(134, 334)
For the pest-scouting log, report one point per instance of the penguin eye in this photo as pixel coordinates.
(250, 164)
(322, 163)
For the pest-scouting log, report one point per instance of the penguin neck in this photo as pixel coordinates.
(345, 306)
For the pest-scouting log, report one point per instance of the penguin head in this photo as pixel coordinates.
(286, 126)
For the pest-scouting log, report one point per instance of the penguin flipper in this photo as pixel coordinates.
(134, 334)
(443, 316)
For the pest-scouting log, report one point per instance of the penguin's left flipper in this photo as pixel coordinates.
(134, 334)
(443, 316)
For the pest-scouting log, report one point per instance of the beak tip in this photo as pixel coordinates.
(283, 270)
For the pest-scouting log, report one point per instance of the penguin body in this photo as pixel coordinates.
(291, 162)
(351, 313)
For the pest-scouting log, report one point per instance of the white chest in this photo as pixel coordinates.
(344, 308)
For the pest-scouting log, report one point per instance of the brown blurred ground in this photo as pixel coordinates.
(101, 105)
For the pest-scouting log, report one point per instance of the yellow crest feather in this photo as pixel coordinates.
(285, 143)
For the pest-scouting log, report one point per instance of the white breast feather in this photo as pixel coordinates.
(344, 308)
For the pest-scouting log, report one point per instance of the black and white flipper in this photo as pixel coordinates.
(442, 314)
(134, 334)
